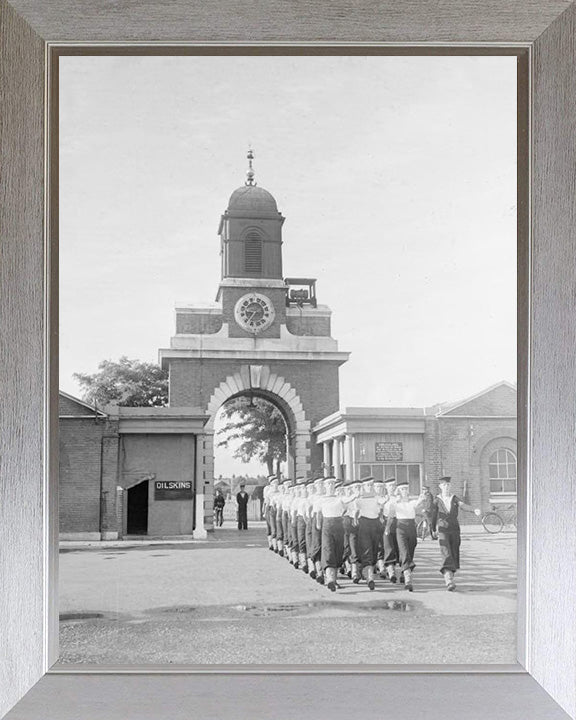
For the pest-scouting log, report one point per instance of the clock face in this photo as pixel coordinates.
(254, 312)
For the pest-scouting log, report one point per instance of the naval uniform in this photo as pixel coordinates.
(332, 509)
(404, 512)
(369, 529)
(301, 508)
(445, 523)
(316, 519)
(278, 521)
(242, 499)
(266, 499)
(390, 541)
(309, 524)
(286, 520)
(271, 513)
(350, 522)
(293, 519)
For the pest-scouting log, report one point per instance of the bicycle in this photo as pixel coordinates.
(494, 522)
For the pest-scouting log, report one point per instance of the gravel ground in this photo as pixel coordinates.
(390, 637)
(231, 601)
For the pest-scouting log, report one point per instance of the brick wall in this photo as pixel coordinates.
(315, 326)
(230, 297)
(162, 457)
(67, 406)
(79, 474)
(196, 324)
(432, 454)
(463, 447)
(499, 401)
(192, 383)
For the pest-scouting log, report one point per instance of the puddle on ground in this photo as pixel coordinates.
(321, 607)
(64, 617)
(314, 609)
(318, 609)
(172, 609)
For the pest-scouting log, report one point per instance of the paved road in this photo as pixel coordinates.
(230, 600)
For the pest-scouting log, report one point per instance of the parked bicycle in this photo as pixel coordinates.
(496, 520)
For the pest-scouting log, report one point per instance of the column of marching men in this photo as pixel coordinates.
(362, 529)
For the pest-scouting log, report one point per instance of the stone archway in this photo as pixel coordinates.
(261, 381)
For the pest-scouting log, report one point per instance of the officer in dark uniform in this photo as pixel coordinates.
(242, 499)
(446, 527)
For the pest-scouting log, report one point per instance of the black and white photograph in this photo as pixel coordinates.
(287, 360)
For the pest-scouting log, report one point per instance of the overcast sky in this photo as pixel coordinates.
(396, 175)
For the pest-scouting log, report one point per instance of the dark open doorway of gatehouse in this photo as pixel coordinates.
(137, 509)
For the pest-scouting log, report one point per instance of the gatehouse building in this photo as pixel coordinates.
(150, 471)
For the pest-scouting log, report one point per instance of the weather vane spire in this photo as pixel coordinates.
(250, 171)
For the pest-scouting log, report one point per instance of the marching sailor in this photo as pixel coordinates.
(402, 514)
(331, 509)
(350, 522)
(286, 501)
(299, 509)
(269, 516)
(446, 528)
(316, 532)
(278, 500)
(307, 508)
(380, 492)
(389, 541)
(369, 528)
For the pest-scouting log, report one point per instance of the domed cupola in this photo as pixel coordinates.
(251, 232)
(252, 201)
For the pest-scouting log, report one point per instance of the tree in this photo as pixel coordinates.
(130, 383)
(261, 428)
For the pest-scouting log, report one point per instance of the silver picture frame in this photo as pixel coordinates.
(543, 684)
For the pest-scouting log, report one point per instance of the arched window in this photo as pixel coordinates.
(502, 467)
(253, 253)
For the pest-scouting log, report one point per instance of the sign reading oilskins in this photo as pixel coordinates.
(173, 490)
(388, 451)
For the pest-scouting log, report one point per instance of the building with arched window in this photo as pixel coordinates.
(474, 441)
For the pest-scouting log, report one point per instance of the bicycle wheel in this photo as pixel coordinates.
(492, 522)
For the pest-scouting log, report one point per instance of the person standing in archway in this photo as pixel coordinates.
(219, 502)
(242, 499)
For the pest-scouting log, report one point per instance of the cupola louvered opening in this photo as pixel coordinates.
(253, 253)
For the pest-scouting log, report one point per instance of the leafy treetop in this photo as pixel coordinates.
(130, 383)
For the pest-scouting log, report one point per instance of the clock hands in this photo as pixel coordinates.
(254, 312)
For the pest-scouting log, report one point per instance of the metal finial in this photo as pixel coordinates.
(250, 171)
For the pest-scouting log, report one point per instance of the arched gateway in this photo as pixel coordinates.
(265, 335)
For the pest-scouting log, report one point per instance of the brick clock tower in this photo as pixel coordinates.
(265, 336)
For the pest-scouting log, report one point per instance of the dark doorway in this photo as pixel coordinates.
(137, 510)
